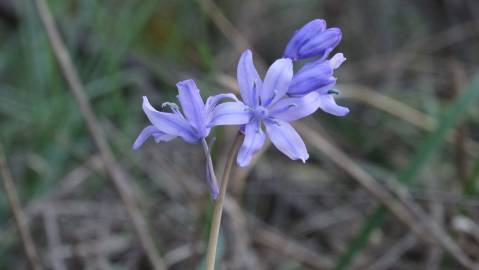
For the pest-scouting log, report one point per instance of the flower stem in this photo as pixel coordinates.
(218, 210)
(210, 171)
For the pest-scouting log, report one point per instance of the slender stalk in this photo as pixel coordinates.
(218, 210)
(20, 220)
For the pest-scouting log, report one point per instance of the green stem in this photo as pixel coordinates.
(218, 210)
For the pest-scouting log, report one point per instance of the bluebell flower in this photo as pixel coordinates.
(193, 125)
(312, 40)
(317, 76)
(265, 103)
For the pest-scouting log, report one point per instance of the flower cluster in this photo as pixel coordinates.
(281, 97)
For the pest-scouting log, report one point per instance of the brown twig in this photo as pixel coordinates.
(218, 210)
(20, 220)
(270, 238)
(116, 174)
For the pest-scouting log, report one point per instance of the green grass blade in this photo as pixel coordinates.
(470, 187)
(376, 218)
(430, 145)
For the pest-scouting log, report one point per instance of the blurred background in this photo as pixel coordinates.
(412, 130)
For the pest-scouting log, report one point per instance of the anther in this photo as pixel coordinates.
(333, 91)
(170, 105)
(291, 106)
(275, 122)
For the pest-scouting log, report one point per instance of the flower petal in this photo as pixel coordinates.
(253, 141)
(337, 60)
(314, 76)
(303, 35)
(287, 140)
(249, 81)
(321, 45)
(230, 113)
(170, 123)
(276, 81)
(192, 105)
(212, 101)
(210, 172)
(151, 131)
(291, 109)
(327, 104)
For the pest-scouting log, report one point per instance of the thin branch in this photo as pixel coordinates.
(20, 220)
(218, 211)
(116, 174)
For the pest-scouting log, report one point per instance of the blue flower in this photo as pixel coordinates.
(317, 76)
(193, 125)
(312, 40)
(266, 103)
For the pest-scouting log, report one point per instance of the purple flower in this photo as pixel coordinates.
(313, 40)
(265, 103)
(193, 125)
(318, 77)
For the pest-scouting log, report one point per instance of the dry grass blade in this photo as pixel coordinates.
(117, 175)
(225, 26)
(20, 219)
(290, 248)
(400, 110)
(388, 260)
(423, 228)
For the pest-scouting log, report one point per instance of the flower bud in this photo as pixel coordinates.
(313, 40)
(316, 76)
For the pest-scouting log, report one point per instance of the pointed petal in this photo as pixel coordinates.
(170, 123)
(249, 81)
(337, 60)
(287, 140)
(276, 81)
(192, 105)
(212, 101)
(230, 113)
(210, 172)
(327, 104)
(291, 109)
(253, 141)
(212, 186)
(151, 131)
